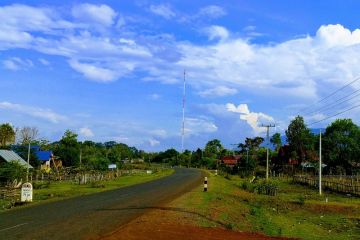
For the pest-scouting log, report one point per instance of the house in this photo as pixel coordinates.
(8, 156)
(230, 161)
(46, 158)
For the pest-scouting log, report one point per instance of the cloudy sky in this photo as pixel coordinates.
(113, 70)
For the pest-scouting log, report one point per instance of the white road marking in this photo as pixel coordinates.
(19, 225)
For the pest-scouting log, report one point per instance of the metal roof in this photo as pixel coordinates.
(12, 156)
(43, 155)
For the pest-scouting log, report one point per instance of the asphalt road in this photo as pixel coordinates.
(95, 215)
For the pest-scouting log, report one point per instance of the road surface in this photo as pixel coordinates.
(92, 216)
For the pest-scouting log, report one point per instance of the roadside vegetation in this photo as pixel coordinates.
(45, 191)
(296, 211)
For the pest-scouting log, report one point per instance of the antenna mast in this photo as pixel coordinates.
(183, 115)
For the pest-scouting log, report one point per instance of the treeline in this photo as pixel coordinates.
(340, 150)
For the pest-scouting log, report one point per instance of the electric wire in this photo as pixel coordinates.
(335, 104)
(334, 115)
(330, 95)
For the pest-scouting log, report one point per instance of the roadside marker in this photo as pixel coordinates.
(205, 184)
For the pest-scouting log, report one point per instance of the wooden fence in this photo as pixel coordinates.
(82, 177)
(331, 184)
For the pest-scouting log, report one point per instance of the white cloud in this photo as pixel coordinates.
(337, 35)
(217, 32)
(219, 91)
(100, 14)
(242, 108)
(196, 126)
(44, 62)
(93, 72)
(153, 142)
(37, 112)
(163, 10)
(293, 69)
(212, 11)
(254, 119)
(159, 133)
(16, 63)
(86, 132)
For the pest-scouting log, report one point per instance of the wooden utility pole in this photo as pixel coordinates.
(267, 147)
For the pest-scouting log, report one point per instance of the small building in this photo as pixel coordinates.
(46, 158)
(8, 156)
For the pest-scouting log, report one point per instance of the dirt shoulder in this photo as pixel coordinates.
(173, 223)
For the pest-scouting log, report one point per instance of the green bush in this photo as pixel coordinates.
(97, 185)
(301, 200)
(9, 171)
(41, 185)
(269, 187)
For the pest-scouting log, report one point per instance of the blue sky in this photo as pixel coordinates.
(113, 70)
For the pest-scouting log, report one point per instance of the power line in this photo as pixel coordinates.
(331, 94)
(336, 103)
(335, 115)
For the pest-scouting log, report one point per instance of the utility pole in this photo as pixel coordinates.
(28, 164)
(320, 167)
(267, 149)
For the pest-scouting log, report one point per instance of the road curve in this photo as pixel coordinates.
(94, 215)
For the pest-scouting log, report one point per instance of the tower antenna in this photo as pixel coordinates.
(183, 114)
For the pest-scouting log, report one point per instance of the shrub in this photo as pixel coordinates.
(41, 185)
(267, 187)
(9, 171)
(97, 185)
(301, 200)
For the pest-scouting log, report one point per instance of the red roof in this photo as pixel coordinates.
(231, 160)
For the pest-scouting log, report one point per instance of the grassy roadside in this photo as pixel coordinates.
(297, 211)
(62, 190)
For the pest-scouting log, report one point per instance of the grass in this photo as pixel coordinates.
(297, 211)
(61, 190)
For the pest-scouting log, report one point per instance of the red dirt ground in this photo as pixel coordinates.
(161, 224)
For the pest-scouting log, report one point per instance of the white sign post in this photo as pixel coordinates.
(26, 192)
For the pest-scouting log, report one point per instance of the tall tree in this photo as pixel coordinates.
(342, 145)
(7, 134)
(27, 134)
(68, 149)
(213, 149)
(276, 141)
(251, 144)
(299, 137)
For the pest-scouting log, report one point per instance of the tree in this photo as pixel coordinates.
(213, 149)
(27, 134)
(196, 158)
(68, 149)
(341, 144)
(299, 137)
(7, 134)
(251, 144)
(276, 141)
(185, 158)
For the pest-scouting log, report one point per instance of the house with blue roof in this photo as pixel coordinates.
(44, 157)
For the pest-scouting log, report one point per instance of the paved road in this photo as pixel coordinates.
(94, 215)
